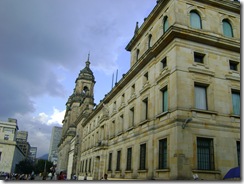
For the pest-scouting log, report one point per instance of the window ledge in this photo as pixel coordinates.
(162, 75)
(114, 112)
(133, 96)
(122, 106)
(128, 171)
(129, 129)
(145, 88)
(205, 111)
(232, 77)
(143, 122)
(234, 115)
(202, 71)
(234, 72)
(112, 136)
(118, 171)
(162, 114)
(206, 171)
(120, 133)
(163, 170)
(142, 171)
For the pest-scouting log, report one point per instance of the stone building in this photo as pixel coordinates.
(10, 153)
(175, 113)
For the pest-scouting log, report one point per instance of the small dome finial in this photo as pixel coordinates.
(88, 62)
(88, 56)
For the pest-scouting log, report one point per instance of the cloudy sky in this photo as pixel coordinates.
(43, 46)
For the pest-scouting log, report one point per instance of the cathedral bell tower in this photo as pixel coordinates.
(85, 85)
(80, 102)
(83, 95)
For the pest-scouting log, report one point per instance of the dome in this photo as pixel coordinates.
(86, 73)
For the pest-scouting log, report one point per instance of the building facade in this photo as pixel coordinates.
(176, 112)
(10, 153)
(32, 153)
(53, 148)
(21, 139)
(22, 136)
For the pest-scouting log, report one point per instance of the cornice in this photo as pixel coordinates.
(223, 4)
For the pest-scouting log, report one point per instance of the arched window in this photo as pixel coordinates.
(85, 89)
(149, 41)
(165, 24)
(195, 20)
(227, 28)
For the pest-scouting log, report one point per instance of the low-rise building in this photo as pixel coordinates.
(10, 153)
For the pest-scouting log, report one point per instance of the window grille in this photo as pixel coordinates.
(143, 157)
(129, 158)
(162, 161)
(205, 154)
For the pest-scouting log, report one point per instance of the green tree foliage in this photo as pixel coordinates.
(24, 167)
(27, 166)
(40, 166)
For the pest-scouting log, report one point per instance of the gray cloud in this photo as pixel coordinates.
(38, 37)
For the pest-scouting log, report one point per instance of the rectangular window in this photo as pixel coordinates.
(129, 157)
(162, 161)
(86, 166)
(114, 106)
(90, 165)
(132, 89)
(233, 65)
(164, 92)
(121, 123)
(145, 109)
(102, 133)
(205, 154)
(118, 161)
(123, 98)
(6, 137)
(236, 102)
(112, 129)
(201, 97)
(8, 130)
(164, 63)
(142, 157)
(238, 152)
(82, 166)
(0, 156)
(198, 57)
(110, 162)
(146, 77)
(132, 117)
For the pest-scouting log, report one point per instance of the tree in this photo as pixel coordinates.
(27, 166)
(24, 167)
(40, 166)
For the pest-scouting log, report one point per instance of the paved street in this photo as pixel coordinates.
(37, 178)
